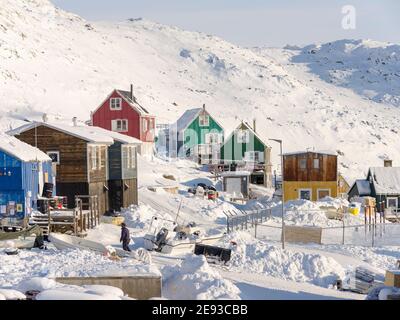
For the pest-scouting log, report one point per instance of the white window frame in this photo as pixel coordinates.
(314, 162)
(204, 120)
(305, 189)
(132, 155)
(318, 190)
(145, 125)
(213, 138)
(58, 156)
(251, 156)
(114, 102)
(300, 160)
(98, 152)
(392, 198)
(93, 158)
(114, 125)
(243, 136)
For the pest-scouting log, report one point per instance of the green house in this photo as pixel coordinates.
(245, 149)
(198, 136)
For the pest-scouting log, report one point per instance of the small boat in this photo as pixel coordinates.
(179, 240)
(19, 243)
(35, 230)
(64, 242)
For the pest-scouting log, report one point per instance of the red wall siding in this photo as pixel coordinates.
(103, 116)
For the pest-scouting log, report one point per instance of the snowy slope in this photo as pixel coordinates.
(56, 62)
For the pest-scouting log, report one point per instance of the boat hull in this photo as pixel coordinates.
(20, 243)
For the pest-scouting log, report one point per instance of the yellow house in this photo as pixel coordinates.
(310, 175)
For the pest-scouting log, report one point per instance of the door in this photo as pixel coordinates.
(233, 185)
(305, 194)
(392, 202)
(41, 178)
(322, 193)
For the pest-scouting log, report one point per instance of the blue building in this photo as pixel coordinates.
(23, 172)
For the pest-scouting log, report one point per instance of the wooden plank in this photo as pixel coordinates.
(392, 278)
(295, 234)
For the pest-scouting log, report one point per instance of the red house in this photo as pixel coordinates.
(122, 113)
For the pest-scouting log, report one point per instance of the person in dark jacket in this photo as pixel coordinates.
(125, 237)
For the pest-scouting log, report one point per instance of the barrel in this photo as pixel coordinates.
(48, 190)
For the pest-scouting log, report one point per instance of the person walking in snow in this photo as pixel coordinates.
(125, 237)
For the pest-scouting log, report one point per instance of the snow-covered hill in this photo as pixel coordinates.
(56, 62)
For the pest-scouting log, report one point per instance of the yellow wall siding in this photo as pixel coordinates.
(291, 188)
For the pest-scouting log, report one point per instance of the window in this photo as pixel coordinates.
(213, 138)
(120, 125)
(144, 125)
(100, 163)
(204, 120)
(132, 156)
(323, 193)
(55, 156)
(316, 164)
(254, 156)
(303, 164)
(392, 202)
(93, 158)
(115, 104)
(243, 136)
(305, 194)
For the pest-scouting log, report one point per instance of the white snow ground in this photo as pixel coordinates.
(341, 96)
(259, 269)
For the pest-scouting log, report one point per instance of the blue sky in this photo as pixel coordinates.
(255, 22)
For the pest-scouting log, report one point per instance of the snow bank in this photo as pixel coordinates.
(66, 263)
(10, 294)
(252, 255)
(49, 289)
(194, 279)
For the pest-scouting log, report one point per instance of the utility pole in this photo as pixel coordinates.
(282, 191)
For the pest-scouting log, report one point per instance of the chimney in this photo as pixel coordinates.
(388, 163)
(204, 106)
(75, 121)
(254, 125)
(45, 118)
(133, 98)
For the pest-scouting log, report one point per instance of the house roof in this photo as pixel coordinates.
(123, 138)
(126, 95)
(363, 187)
(133, 103)
(83, 132)
(21, 150)
(235, 174)
(189, 116)
(327, 152)
(248, 126)
(386, 180)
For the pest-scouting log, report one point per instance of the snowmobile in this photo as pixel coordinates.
(172, 238)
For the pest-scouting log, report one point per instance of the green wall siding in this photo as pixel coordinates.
(234, 151)
(195, 135)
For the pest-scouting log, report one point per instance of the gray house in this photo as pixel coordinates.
(122, 169)
(383, 184)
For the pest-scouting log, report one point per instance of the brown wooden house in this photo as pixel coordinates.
(310, 175)
(80, 154)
